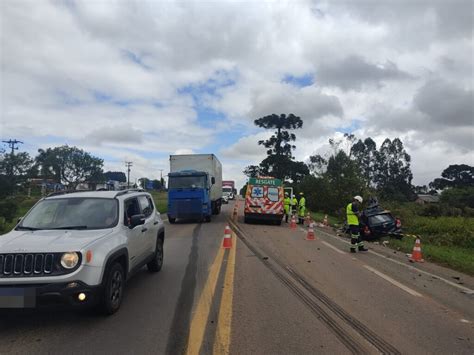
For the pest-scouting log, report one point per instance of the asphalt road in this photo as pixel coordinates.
(272, 293)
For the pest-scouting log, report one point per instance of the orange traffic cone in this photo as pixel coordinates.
(325, 220)
(310, 235)
(293, 222)
(227, 242)
(416, 255)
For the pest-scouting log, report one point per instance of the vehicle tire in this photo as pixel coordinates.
(171, 220)
(207, 219)
(157, 263)
(219, 209)
(112, 294)
(247, 220)
(278, 223)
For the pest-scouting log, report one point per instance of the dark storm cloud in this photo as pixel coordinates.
(445, 103)
(355, 72)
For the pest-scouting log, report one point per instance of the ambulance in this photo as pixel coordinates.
(264, 200)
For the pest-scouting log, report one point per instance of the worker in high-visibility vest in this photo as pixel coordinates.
(301, 208)
(294, 205)
(286, 205)
(352, 211)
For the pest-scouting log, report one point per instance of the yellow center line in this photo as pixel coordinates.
(201, 315)
(223, 332)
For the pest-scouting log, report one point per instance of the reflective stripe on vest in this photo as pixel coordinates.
(352, 218)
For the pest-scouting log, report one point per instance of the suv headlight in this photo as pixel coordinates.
(69, 260)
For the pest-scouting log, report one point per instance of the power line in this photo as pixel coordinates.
(12, 144)
(128, 165)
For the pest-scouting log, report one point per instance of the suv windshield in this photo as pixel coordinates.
(72, 213)
(185, 182)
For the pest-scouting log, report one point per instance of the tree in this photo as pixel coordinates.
(16, 166)
(365, 153)
(69, 165)
(456, 175)
(252, 171)
(279, 144)
(116, 176)
(393, 174)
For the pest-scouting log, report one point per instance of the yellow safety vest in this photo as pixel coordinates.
(352, 218)
(302, 202)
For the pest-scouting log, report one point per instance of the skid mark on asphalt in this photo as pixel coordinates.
(180, 327)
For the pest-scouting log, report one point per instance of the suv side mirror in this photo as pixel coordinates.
(213, 180)
(137, 220)
(19, 220)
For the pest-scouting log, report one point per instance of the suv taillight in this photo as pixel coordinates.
(398, 223)
(366, 230)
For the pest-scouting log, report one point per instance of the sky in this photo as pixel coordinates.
(140, 80)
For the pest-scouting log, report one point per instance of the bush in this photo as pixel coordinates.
(458, 197)
(8, 209)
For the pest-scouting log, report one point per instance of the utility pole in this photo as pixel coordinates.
(128, 165)
(161, 178)
(12, 144)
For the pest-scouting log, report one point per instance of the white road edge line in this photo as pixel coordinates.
(394, 282)
(332, 247)
(465, 290)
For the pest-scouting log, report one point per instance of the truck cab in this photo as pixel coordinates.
(228, 191)
(189, 195)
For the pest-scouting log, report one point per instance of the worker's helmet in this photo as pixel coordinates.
(358, 198)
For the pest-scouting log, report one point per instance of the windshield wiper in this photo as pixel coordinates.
(23, 228)
(70, 227)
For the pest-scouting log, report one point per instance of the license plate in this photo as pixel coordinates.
(17, 297)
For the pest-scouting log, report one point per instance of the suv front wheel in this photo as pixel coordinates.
(113, 289)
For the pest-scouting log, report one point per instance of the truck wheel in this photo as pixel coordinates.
(278, 223)
(246, 220)
(171, 220)
(207, 219)
(113, 289)
(157, 263)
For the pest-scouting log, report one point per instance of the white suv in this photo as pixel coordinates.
(80, 248)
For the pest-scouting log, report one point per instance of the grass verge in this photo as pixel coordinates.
(161, 200)
(460, 259)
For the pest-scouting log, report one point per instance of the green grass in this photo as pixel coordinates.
(319, 217)
(161, 200)
(457, 258)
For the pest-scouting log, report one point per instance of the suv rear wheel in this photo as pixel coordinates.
(157, 263)
(113, 289)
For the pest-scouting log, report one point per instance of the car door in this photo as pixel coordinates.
(135, 236)
(150, 228)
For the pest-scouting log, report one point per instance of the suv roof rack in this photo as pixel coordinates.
(124, 192)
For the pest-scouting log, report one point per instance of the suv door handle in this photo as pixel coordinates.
(144, 230)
